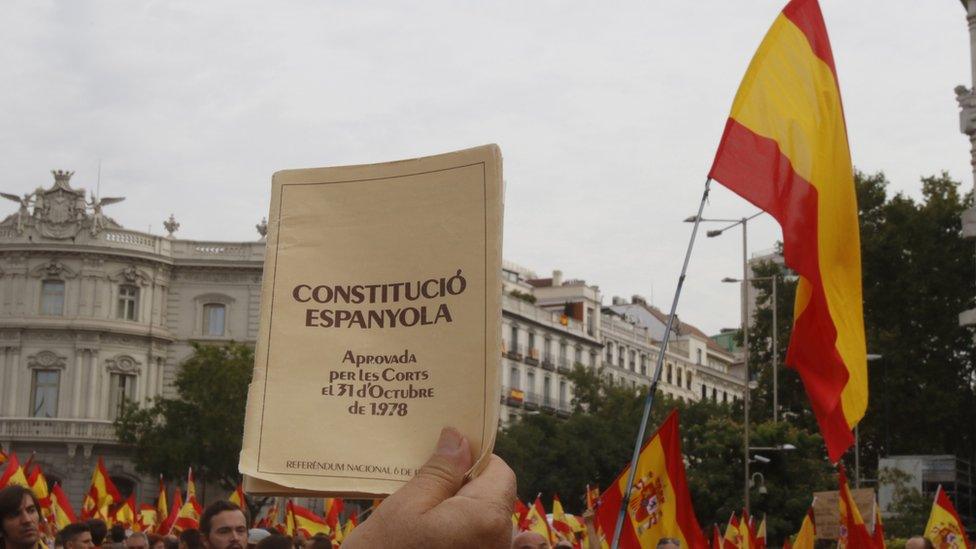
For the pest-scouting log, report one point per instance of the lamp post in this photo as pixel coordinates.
(775, 360)
(857, 436)
(745, 335)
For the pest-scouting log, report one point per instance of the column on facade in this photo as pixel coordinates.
(104, 389)
(94, 385)
(13, 366)
(77, 379)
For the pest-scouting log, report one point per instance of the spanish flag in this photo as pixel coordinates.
(560, 523)
(878, 535)
(61, 511)
(761, 534)
(535, 520)
(162, 510)
(13, 474)
(166, 525)
(944, 528)
(303, 520)
(102, 494)
(518, 515)
(747, 538)
(237, 497)
(334, 508)
(785, 150)
(146, 519)
(853, 531)
(659, 505)
(732, 538)
(188, 517)
(191, 486)
(807, 536)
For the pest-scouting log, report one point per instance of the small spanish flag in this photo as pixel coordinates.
(659, 506)
(944, 528)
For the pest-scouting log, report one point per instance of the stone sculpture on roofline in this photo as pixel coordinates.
(60, 212)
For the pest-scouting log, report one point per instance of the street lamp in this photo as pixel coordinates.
(775, 360)
(857, 434)
(745, 333)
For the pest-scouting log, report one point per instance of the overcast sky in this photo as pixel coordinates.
(607, 114)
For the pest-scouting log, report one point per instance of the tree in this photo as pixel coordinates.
(202, 426)
(909, 508)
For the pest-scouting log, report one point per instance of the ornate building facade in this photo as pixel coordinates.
(93, 315)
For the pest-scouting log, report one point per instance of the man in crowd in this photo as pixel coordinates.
(919, 542)
(530, 540)
(76, 536)
(98, 531)
(224, 526)
(137, 540)
(19, 519)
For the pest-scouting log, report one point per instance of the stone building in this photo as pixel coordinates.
(93, 315)
(966, 97)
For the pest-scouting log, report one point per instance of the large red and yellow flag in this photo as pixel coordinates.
(659, 505)
(126, 513)
(747, 537)
(785, 150)
(853, 531)
(944, 528)
(102, 494)
(61, 511)
(38, 485)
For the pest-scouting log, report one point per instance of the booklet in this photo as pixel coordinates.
(380, 323)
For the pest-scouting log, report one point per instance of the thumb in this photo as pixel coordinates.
(441, 477)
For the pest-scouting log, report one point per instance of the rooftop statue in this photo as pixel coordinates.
(61, 211)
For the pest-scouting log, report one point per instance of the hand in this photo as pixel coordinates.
(437, 510)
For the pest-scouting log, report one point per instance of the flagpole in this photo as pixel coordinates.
(649, 400)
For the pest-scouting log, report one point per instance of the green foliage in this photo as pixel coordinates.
(595, 443)
(203, 426)
(909, 508)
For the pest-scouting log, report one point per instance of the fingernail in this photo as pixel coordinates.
(450, 442)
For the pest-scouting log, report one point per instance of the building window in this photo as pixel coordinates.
(122, 388)
(699, 356)
(670, 379)
(609, 357)
(530, 381)
(562, 393)
(579, 355)
(633, 360)
(643, 364)
(128, 302)
(531, 345)
(44, 393)
(546, 389)
(213, 319)
(514, 378)
(562, 352)
(704, 391)
(621, 356)
(688, 380)
(725, 397)
(52, 297)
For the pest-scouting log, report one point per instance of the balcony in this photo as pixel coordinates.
(532, 358)
(564, 365)
(531, 401)
(514, 351)
(548, 404)
(28, 429)
(549, 362)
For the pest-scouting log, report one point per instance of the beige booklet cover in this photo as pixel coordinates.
(380, 323)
